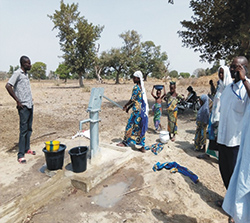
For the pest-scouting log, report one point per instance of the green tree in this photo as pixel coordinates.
(219, 29)
(213, 69)
(3, 75)
(208, 72)
(38, 70)
(199, 72)
(63, 71)
(52, 75)
(77, 38)
(12, 69)
(173, 73)
(152, 61)
(185, 74)
(124, 60)
(114, 62)
(74, 76)
(132, 56)
(131, 50)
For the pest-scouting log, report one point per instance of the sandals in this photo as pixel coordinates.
(22, 160)
(121, 144)
(199, 150)
(203, 156)
(31, 152)
(142, 149)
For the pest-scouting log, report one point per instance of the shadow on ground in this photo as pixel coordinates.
(177, 218)
(207, 195)
(188, 148)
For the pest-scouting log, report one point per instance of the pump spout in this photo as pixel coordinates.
(83, 121)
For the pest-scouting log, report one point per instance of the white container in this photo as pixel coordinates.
(164, 136)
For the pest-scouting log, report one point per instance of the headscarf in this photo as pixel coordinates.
(227, 79)
(203, 113)
(144, 106)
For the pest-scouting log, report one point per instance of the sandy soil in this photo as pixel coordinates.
(138, 194)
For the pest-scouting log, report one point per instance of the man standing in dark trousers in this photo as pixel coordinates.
(234, 100)
(19, 88)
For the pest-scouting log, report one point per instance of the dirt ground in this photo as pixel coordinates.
(135, 193)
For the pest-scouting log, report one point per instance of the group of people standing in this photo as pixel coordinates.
(229, 133)
(172, 98)
(228, 125)
(233, 139)
(138, 122)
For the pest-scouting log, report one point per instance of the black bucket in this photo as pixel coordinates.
(78, 157)
(54, 160)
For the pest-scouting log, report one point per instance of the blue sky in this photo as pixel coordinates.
(26, 29)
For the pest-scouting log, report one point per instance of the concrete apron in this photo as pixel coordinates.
(107, 162)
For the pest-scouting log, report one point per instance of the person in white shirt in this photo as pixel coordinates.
(237, 199)
(234, 101)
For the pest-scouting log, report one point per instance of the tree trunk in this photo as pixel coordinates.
(117, 78)
(98, 71)
(97, 68)
(80, 81)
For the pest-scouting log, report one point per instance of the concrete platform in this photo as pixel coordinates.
(110, 159)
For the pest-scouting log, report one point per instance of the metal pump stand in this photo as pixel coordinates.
(94, 108)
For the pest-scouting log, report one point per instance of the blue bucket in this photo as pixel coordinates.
(158, 87)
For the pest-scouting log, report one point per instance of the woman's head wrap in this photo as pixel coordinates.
(227, 79)
(203, 113)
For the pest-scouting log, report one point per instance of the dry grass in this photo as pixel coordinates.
(201, 81)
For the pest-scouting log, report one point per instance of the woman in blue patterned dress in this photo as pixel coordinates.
(138, 121)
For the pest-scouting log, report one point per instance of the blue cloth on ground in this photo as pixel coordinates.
(175, 167)
(155, 148)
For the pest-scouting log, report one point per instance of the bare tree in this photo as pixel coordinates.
(98, 68)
